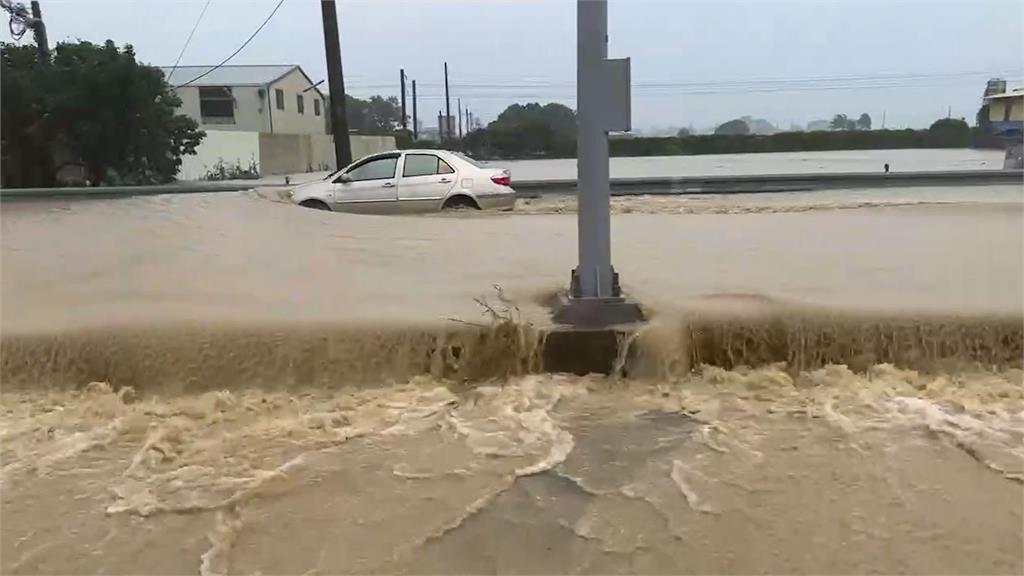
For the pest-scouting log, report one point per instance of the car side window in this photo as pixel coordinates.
(376, 169)
(420, 165)
(444, 168)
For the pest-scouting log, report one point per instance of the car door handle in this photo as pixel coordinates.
(387, 185)
(444, 180)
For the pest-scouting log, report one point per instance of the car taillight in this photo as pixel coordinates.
(502, 180)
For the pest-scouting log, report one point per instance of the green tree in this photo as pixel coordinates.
(864, 122)
(376, 114)
(95, 106)
(949, 132)
(736, 126)
(982, 119)
(841, 122)
(683, 132)
(530, 130)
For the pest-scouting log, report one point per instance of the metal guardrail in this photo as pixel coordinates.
(731, 184)
(763, 183)
(122, 191)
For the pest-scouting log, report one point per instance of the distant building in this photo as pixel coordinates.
(269, 99)
(259, 120)
(1006, 112)
(994, 86)
(819, 126)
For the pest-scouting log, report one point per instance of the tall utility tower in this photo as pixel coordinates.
(447, 104)
(401, 74)
(603, 105)
(415, 121)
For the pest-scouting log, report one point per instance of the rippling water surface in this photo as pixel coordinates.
(224, 384)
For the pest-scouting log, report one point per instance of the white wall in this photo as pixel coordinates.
(252, 112)
(289, 121)
(274, 153)
(231, 147)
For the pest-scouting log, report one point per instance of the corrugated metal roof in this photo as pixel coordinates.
(259, 75)
(1017, 93)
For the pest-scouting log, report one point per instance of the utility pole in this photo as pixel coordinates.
(29, 18)
(603, 105)
(447, 103)
(336, 84)
(460, 118)
(415, 123)
(401, 73)
(39, 31)
(440, 128)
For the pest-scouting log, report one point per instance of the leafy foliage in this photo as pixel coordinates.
(950, 130)
(982, 119)
(864, 122)
(525, 131)
(94, 106)
(377, 114)
(734, 127)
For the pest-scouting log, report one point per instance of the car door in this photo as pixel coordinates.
(425, 182)
(368, 186)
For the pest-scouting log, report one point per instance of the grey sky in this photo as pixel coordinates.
(678, 49)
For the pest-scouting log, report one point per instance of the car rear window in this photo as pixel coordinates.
(472, 162)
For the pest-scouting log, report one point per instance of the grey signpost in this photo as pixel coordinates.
(603, 105)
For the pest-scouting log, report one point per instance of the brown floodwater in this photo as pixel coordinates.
(225, 383)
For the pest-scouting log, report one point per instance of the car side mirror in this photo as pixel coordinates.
(344, 178)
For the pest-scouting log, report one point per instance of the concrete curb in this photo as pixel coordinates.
(733, 184)
(763, 183)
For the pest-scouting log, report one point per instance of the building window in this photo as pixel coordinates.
(316, 106)
(279, 98)
(300, 104)
(216, 105)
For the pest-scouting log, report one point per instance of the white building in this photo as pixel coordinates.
(271, 117)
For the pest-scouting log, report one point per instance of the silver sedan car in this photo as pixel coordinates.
(410, 181)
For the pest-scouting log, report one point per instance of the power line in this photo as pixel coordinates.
(824, 82)
(240, 48)
(188, 40)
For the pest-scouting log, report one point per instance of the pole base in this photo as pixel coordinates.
(593, 313)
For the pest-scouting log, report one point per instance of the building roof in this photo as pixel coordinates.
(234, 75)
(1016, 93)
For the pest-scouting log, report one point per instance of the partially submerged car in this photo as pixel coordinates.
(410, 181)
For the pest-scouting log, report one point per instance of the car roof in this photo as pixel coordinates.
(414, 151)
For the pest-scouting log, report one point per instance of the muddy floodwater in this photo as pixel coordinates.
(228, 384)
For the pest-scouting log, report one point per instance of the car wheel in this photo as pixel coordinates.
(460, 203)
(315, 204)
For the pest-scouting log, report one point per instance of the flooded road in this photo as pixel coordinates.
(721, 472)
(227, 384)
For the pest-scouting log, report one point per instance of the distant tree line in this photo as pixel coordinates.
(549, 131)
(945, 133)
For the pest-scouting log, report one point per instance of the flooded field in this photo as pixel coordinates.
(225, 383)
(770, 163)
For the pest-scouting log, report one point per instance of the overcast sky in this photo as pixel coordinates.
(693, 63)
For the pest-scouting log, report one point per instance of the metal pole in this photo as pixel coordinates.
(401, 73)
(39, 31)
(447, 104)
(415, 123)
(336, 84)
(594, 273)
(460, 118)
